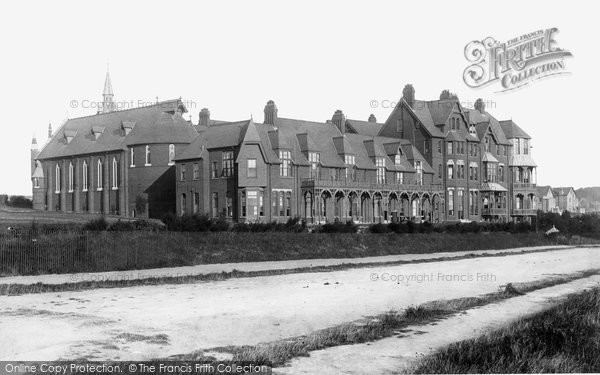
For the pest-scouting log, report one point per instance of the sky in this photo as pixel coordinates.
(310, 57)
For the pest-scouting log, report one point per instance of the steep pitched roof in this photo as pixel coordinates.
(512, 130)
(562, 190)
(157, 123)
(543, 190)
(476, 118)
(364, 127)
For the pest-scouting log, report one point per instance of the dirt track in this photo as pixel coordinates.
(148, 322)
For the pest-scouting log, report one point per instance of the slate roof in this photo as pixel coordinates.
(157, 123)
(513, 130)
(365, 127)
(543, 190)
(562, 190)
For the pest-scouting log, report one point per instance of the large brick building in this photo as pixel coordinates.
(430, 160)
(114, 162)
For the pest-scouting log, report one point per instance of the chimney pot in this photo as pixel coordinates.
(372, 118)
(409, 94)
(204, 117)
(480, 105)
(270, 113)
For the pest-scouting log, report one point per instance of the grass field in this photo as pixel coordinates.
(564, 339)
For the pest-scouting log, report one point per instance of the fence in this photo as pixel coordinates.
(41, 252)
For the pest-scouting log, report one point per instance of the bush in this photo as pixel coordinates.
(98, 224)
(337, 227)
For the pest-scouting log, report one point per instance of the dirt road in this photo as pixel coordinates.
(148, 322)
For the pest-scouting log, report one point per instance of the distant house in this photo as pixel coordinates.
(547, 200)
(566, 199)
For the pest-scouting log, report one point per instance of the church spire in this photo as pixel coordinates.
(108, 105)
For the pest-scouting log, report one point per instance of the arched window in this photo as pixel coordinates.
(171, 154)
(57, 179)
(115, 174)
(84, 176)
(70, 177)
(99, 177)
(148, 158)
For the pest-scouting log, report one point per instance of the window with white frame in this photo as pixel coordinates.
(148, 156)
(70, 177)
(251, 168)
(99, 175)
(171, 154)
(285, 168)
(450, 202)
(115, 174)
(380, 164)
(419, 169)
(400, 177)
(36, 182)
(397, 160)
(57, 179)
(314, 158)
(349, 160)
(84, 176)
(131, 157)
(450, 169)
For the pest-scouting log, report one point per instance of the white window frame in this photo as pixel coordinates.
(148, 157)
(36, 183)
(71, 177)
(419, 170)
(115, 174)
(132, 157)
(84, 176)
(99, 176)
(171, 154)
(57, 179)
(380, 172)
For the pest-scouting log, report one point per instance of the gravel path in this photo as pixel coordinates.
(395, 354)
(155, 321)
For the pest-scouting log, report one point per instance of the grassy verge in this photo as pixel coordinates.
(564, 339)
(115, 251)
(124, 282)
(375, 328)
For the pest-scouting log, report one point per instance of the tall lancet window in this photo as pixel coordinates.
(84, 176)
(99, 177)
(148, 158)
(115, 174)
(70, 177)
(57, 179)
(171, 154)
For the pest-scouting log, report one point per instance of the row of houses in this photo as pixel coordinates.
(432, 160)
(558, 200)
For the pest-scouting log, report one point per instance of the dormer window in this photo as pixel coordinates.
(127, 126)
(69, 135)
(97, 131)
(398, 159)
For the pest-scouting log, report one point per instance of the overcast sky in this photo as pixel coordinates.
(310, 57)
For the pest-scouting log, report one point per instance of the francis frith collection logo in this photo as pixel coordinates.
(515, 63)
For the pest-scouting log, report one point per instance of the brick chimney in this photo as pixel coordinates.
(480, 105)
(339, 120)
(49, 131)
(270, 113)
(408, 94)
(204, 117)
(372, 118)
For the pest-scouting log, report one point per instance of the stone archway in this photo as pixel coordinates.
(365, 207)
